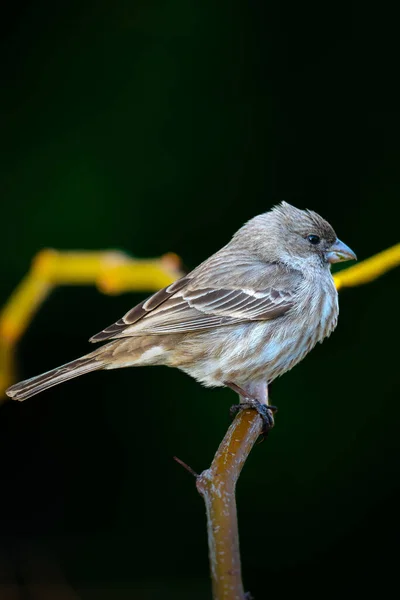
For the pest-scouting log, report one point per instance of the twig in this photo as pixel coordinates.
(185, 466)
(217, 486)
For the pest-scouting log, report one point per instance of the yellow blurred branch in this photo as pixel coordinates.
(113, 273)
(369, 269)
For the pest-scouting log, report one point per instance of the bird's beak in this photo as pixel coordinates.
(339, 252)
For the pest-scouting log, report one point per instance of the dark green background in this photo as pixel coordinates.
(163, 126)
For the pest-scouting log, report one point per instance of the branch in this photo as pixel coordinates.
(217, 486)
(369, 269)
(111, 271)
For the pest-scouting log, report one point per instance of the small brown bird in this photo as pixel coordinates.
(245, 316)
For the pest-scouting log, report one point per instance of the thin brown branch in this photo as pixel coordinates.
(217, 486)
(185, 466)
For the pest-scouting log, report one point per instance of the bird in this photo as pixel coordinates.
(242, 318)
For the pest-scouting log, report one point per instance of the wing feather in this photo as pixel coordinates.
(196, 311)
(139, 312)
(192, 304)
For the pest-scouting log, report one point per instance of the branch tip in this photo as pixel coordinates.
(185, 466)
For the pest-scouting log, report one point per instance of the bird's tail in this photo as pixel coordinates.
(91, 362)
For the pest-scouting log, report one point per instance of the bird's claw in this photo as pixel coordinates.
(265, 411)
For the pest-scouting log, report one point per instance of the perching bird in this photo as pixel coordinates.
(245, 316)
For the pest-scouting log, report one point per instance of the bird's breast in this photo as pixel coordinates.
(263, 349)
(277, 346)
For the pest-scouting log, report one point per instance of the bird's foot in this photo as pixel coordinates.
(265, 411)
(248, 399)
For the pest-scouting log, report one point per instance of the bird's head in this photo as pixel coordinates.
(298, 238)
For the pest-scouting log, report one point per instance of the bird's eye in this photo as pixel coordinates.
(314, 239)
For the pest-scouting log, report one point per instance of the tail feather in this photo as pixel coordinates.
(35, 385)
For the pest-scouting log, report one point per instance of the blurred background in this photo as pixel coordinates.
(155, 126)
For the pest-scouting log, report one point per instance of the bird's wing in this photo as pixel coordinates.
(183, 307)
(140, 311)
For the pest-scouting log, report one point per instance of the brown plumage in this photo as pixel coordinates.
(245, 316)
